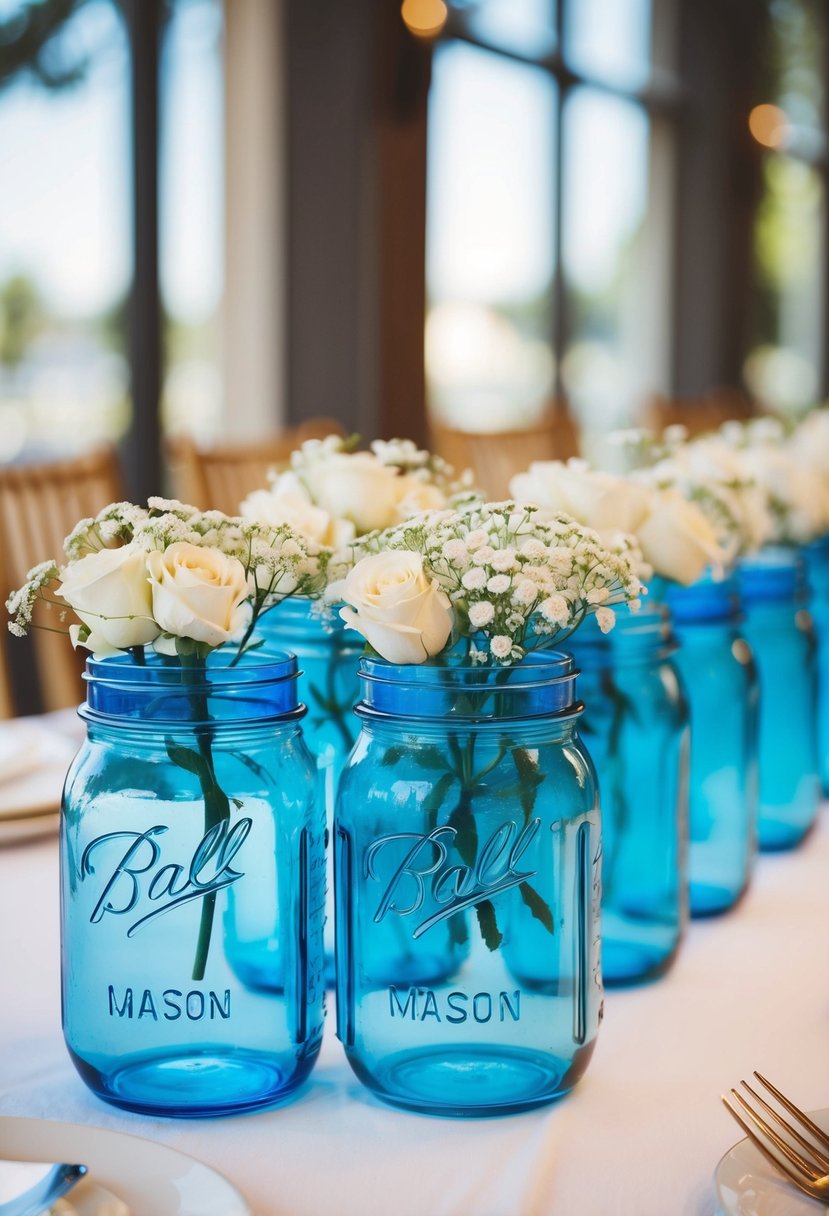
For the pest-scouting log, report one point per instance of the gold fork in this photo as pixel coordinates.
(808, 1170)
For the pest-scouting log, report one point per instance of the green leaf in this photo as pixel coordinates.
(435, 798)
(531, 779)
(392, 755)
(466, 838)
(187, 759)
(429, 757)
(539, 907)
(488, 925)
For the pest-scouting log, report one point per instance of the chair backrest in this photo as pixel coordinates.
(219, 477)
(698, 414)
(496, 456)
(39, 506)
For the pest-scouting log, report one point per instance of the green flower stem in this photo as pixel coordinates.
(216, 801)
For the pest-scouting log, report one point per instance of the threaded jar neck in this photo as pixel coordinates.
(260, 687)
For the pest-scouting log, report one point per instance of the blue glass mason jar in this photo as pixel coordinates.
(328, 656)
(192, 886)
(817, 570)
(778, 628)
(635, 725)
(467, 849)
(720, 682)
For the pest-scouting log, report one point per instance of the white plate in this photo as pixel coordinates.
(35, 754)
(150, 1178)
(86, 1198)
(748, 1185)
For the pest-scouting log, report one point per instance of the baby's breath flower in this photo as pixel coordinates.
(503, 560)
(512, 575)
(480, 614)
(498, 584)
(474, 579)
(605, 619)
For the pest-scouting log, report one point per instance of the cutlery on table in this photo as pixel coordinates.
(807, 1165)
(40, 1197)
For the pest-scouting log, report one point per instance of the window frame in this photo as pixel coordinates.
(662, 100)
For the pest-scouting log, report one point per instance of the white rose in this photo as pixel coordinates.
(110, 592)
(355, 486)
(596, 499)
(198, 593)
(288, 503)
(399, 611)
(417, 496)
(677, 538)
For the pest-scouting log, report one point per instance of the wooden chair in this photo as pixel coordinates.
(496, 456)
(219, 477)
(7, 708)
(698, 415)
(39, 506)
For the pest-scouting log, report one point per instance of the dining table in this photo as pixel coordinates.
(640, 1135)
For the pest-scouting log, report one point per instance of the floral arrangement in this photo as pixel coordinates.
(761, 481)
(332, 494)
(677, 538)
(184, 580)
(487, 582)
(795, 486)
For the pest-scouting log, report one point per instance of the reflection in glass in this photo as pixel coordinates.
(191, 171)
(782, 370)
(489, 239)
(610, 40)
(605, 179)
(65, 243)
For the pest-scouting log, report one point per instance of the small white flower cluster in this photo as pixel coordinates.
(332, 493)
(426, 467)
(278, 561)
(795, 489)
(516, 582)
(758, 481)
(137, 574)
(708, 472)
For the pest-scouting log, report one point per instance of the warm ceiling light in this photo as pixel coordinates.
(769, 125)
(424, 18)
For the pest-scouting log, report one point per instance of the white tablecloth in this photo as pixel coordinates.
(640, 1136)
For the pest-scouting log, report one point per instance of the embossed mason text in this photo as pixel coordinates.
(453, 886)
(420, 1004)
(171, 1004)
(137, 873)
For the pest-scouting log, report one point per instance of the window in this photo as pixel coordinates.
(191, 175)
(544, 280)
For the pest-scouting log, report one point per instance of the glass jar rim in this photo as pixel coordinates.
(261, 686)
(540, 685)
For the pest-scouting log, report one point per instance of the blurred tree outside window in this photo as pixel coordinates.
(66, 221)
(64, 226)
(784, 367)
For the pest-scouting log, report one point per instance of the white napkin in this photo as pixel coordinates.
(34, 756)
